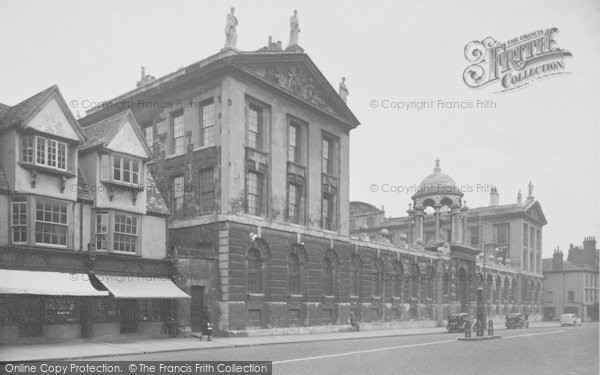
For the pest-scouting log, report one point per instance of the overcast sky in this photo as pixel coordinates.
(392, 50)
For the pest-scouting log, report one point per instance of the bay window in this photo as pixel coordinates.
(44, 152)
(125, 170)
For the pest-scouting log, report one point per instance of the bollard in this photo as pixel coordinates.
(467, 329)
(490, 327)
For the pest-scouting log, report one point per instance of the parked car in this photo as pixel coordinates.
(517, 320)
(569, 320)
(457, 322)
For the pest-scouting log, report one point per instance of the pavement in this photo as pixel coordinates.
(81, 349)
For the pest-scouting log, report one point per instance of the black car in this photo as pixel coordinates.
(517, 320)
(457, 322)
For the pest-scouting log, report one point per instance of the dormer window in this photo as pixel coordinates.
(44, 152)
(121, 169)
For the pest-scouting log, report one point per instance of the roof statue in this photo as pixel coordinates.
(344, 90)
(530, 187)
(231, 23)
(294, 29)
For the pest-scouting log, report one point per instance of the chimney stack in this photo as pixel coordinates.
(557, 260)
(589, 244)
(494, 197)
(519, 197)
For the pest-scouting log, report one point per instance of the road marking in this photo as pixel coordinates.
(362, 351)
(533, 334)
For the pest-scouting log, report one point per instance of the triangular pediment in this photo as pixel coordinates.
(52, 120)
(298, 76)
(535, 213)
(128, 141)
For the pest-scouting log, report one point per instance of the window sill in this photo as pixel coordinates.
(295, 297)
(120, 252)
(54, 246)
(125, 185)
(45, 169)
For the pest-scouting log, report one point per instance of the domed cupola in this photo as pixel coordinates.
(440, 192)
(437, 189)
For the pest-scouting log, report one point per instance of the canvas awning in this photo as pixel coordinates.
(141, 287)
(47, 283)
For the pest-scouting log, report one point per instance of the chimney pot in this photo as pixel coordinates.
(494, 197)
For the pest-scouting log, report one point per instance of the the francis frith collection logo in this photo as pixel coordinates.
(515, 63)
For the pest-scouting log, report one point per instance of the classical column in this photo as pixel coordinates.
(455, 222)
(437, 222)
(411, 224)
(419, 212)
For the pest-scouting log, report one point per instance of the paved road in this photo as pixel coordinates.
(569, 350)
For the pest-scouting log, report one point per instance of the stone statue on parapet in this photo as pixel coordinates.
(231, 23)
(294, 29)
(344, 90)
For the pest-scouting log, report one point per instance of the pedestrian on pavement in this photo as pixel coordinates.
(353, 322)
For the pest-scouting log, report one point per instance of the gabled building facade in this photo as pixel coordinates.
(66, 230)
(571, 285)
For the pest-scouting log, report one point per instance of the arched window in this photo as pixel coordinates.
(355, 276)
(430, 281)
(524, 291)
(513, 296)
(498, 289)
(378, 280)
(254, 271)
(327, 277)
(506, 290)
(488, 289)
(446, 283)
(414, 281)
(398, 279)
(294, 274)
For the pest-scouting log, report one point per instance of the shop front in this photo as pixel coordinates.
(37, 306)
(142, 305)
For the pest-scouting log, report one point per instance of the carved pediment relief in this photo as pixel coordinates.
(297, 81)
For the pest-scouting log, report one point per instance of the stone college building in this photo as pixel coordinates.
(226, 184)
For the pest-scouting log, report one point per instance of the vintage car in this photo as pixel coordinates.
(517, 320)
(569, 320)
(457, 322)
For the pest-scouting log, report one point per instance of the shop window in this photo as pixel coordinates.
(151, 310)
(106, 310)
(62, 310)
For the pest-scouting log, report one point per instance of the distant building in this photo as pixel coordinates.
(571, 286)
(74, 222)
(510, 236)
